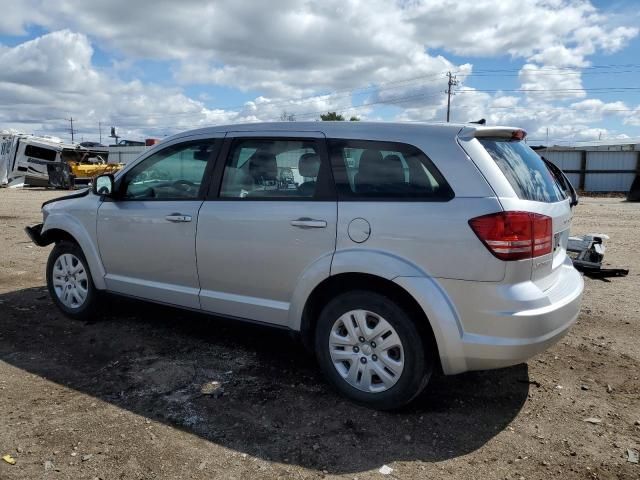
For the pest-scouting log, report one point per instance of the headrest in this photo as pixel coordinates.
(263, 165)
(369, 160)
(393, 168)
(309, 165)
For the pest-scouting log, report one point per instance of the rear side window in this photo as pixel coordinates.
(366, 170)
(268, 169)
(524, 169)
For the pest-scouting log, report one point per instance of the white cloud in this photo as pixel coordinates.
(293, 52)
(544, 84)
(46, 80)
(299, 47)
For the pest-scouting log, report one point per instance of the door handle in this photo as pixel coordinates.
(178, 217)
(308, 223)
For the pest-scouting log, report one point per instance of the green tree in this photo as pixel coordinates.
(331, 117)
(354, 119)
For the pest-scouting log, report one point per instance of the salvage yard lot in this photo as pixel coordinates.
(121, 397)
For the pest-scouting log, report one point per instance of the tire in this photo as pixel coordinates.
(391, 377)
(69, 281)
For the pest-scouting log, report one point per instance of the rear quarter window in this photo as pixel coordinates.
(524, 169)
(374, 170)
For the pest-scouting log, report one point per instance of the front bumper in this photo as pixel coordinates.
(35, 234)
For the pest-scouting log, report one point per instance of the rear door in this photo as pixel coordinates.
(269, 222)
(533, 189)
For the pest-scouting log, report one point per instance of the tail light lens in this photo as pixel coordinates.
(515, 235)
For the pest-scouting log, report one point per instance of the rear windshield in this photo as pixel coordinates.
(525, 170)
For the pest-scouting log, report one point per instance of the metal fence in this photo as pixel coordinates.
(598, 169)
(125, 154)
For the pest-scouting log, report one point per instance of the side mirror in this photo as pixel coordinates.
(574, 199)
(103, 185)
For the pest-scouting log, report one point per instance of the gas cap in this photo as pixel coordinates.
(359, 230)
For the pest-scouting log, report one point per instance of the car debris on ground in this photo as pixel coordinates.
(587, 253)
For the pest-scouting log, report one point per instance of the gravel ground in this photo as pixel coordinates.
(121, 398)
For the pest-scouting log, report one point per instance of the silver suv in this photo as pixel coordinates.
(392, 249)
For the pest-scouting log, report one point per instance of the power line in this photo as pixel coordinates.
(553, 90)
(383, 86)
(403, 83)
(390, 101)
(552, 68)
(584, 110)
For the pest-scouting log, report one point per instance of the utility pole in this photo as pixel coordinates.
(546, 148)
(100, 131)
(71, 120)
(451, 83)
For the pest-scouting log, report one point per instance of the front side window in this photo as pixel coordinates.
(384, 170)
(174, 173)
(271, 169)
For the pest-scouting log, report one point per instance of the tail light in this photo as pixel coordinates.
(515, 235)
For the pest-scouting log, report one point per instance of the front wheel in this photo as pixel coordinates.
(69, 281)
(371, 351)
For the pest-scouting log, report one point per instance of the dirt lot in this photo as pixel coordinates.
(120, 398)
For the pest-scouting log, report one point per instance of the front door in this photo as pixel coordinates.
(271, 221)
(147, 234)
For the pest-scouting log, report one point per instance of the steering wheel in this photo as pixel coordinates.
(183, 185)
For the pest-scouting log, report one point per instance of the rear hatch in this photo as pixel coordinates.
(537, 191)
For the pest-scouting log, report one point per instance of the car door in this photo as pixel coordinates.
(146, 234)
(270, 220)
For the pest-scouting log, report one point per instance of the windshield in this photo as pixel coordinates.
(524, 169)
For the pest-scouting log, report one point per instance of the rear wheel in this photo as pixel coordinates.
(371, 350)
(69, 281)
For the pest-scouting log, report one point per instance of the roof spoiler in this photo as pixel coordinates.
(510, 133)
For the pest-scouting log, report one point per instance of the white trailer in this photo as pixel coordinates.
(25, 158)
(8, 143)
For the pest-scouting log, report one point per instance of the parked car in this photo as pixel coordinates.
(404, 248)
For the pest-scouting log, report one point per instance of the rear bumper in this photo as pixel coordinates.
(499, 325)
(539, 328)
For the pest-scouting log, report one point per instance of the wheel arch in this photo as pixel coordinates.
(65, 228)
(344, 282)
(55, 235)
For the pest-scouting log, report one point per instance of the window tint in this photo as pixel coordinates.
(367, 169)
(263, 168)
(40, 152)
(174, 173)
(524, 169)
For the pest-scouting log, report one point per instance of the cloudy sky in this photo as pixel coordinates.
(151, 68)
